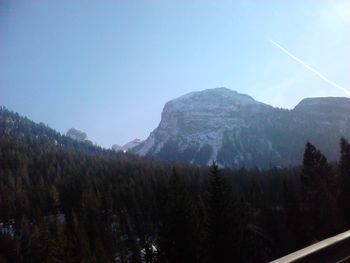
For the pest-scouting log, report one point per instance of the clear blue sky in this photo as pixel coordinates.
(108, 67)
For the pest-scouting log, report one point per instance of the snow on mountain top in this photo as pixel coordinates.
(210, 100)
(215, 95)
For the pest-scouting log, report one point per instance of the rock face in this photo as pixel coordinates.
(235, 130)
(76, 134)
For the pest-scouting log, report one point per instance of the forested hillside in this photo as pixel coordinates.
(68, 201)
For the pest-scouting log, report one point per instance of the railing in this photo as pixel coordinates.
(330, 250)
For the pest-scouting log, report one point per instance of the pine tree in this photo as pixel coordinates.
(318, 195)
(224, 229)
(177, 241)
(292, 218)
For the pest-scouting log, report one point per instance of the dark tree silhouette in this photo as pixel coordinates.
(224, 225)
(318, 195)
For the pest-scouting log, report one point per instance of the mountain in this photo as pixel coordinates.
(117, 148)
(76, 134)
(127, 146)
(236, 130)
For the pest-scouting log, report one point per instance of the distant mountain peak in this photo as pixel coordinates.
(317, 101)
(77, 134)
(128, 146)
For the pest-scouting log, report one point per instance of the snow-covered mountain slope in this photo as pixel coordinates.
(235, 130)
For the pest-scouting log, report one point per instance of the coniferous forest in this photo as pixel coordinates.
(68, 201)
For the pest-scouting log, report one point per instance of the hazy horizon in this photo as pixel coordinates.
(108, 68)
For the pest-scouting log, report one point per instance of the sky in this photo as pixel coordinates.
(108, 67)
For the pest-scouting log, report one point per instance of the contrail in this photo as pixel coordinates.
(310, 68)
